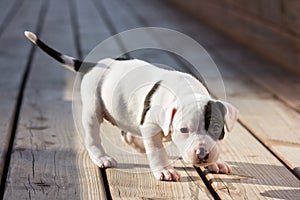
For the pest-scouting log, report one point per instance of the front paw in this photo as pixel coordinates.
(219, 167)
(103, 161)
(167, 174)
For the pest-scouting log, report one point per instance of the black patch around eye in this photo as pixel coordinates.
(214, 119)
(184, 130)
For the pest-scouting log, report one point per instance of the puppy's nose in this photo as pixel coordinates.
(202, 154)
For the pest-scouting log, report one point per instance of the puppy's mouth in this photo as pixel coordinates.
(197, 161)
(200, 162)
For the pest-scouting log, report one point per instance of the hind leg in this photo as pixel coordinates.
(92, 141)
(92, 117)
(133, 141)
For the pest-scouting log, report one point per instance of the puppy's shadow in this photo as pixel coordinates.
(260, 174)
(278, 194)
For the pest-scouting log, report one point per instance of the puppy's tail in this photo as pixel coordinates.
(71, 63)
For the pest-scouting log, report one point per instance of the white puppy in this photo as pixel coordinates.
(149, 104)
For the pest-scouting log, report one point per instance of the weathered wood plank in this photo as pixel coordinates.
(8, 11)
(121, 25)
(253, 7)
(237, 86)
(256, 173)
(279, 14)
(265, 39)
(264, 73)
(273, 11)
(291, 15)
(48, 160)
(6, 6)
(13, 46)
(92, 29)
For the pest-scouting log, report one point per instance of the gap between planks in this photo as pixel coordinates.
(11, 13)
(17, 107)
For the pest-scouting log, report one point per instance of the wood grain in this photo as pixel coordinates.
(9, 10)
(272, 42)
(280, 14)
(256, 173)
(264, 73)
(124, 21)
(12, 69)
(48, 160)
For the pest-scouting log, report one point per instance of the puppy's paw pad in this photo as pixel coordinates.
(167, 174)
(104, 161)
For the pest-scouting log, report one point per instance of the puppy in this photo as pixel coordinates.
(149, 105)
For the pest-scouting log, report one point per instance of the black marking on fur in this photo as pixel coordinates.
(83, 66)
(51, 52)
(77, 64)
(215, 119)
(147, 102)
(124, 58)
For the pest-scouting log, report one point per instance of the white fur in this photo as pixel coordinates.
(31, 36)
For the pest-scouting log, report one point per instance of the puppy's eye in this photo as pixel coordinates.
(184, 130)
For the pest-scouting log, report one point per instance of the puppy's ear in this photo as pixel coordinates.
(231, 116)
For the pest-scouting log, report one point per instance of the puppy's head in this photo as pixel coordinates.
(197, 127)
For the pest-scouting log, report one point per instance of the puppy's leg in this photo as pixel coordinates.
(92, 140)
(133, 141)
(158, 158)
(92, 117)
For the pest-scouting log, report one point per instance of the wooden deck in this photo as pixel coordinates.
(42, 156)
